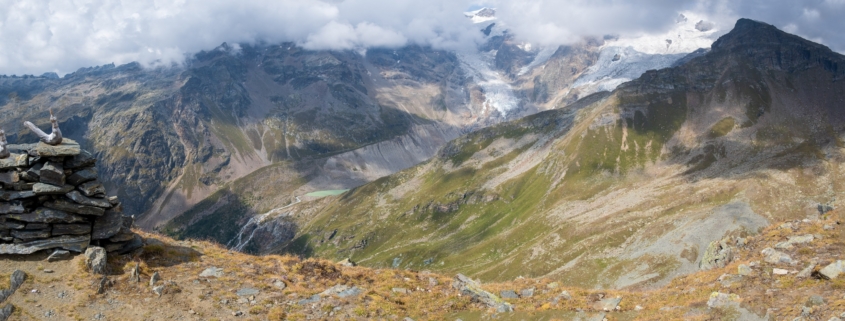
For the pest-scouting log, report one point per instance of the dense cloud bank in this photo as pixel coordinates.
(62, 35)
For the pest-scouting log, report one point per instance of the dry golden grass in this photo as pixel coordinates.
(429, 296)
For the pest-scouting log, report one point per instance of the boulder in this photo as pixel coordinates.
(833, 270)
(71, 229)
(82, 176)
(6, 312)
(68, 147)
(14, 161)
(67, 242)
(68, 206)
(47, 215)
(717, 255)
(472, 288)
(92, 188)
(52, 173)
(95, 260)
(48, 189)
(77, 197)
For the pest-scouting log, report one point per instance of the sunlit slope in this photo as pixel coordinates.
(621, 188)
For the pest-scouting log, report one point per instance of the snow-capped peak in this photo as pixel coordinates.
(690, 33)
(481, 15)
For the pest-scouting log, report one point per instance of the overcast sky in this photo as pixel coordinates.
(64, 35)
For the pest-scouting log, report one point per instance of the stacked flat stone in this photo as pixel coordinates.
(51, 199)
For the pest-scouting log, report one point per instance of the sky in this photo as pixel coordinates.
(64, 35)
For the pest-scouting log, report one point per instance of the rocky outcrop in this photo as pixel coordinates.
(472, 288)
(51, 199)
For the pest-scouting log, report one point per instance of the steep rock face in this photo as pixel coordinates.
(626, 184)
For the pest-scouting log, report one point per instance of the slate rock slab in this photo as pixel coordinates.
(107, 225)
(47, 215)
(14, 161)
(68, 206)
(68, 147)
(83, 159)
(82, 176)
(48, 189)
(52, 173)
(77, 197)
(70, 243)
(71, 229)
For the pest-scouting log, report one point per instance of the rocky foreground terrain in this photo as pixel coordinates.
(792, 270)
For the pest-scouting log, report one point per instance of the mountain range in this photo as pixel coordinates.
(509, 160)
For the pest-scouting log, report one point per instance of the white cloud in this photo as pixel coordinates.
(64, 35)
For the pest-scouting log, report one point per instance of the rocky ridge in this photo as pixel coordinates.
(198, 280)
(52, 200)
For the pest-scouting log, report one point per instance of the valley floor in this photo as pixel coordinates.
(204, 281)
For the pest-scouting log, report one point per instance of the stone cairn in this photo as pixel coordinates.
(51, 199)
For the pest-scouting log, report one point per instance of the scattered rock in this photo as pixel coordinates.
(347, 262)
(154, 279)
(95, 259)
(773, 256)
(16, 280)
(729, 279)
(777, 271)
(103, 284)
(158, 290)
(744, 270)
(608, 304)
(48, 271)
(814, 300)
(6, 311)
(553, 285)
(313, 299)
(527, 293)
(247, 292)
(565, 295)
(508, 294)
(807, 271)
(472, 288)
(212, 272)
(638, 308)
(718, 299)
(793, 240)
(279, 284)
(833, 270)
(135, 274)
(400, 290)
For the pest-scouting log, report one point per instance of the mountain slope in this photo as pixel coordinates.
(747, 133)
